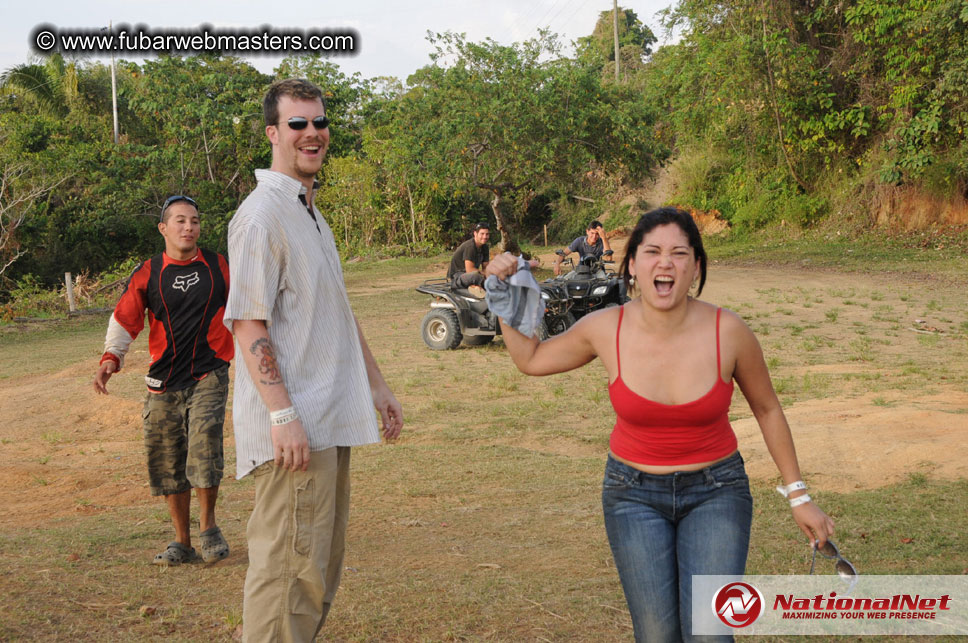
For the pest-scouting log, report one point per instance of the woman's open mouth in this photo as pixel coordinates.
(663, 284)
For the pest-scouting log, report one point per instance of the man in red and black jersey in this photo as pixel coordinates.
(183, 290)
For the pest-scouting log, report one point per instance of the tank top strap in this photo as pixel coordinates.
(719, 368)
(618, 358)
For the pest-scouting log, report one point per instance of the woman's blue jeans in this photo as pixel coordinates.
(665, 528)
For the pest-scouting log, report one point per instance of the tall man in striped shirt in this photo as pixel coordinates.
(183, 290)
(309, 385)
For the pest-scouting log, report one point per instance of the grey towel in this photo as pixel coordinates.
(517, 300)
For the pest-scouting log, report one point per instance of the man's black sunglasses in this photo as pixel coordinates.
(481, 226)
(299, 123)
(175, 198)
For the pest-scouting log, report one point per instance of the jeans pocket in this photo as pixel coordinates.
(615, 479)
(303, 517)
(731, 476)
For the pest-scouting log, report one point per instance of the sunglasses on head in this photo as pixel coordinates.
(175, 198)
(299, 123)
(481, 226)
(843, 566)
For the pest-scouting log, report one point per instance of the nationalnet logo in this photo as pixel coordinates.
(828, 605)
(897, 606)
(738, 604)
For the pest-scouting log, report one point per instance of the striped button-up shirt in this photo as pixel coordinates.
(286, 271)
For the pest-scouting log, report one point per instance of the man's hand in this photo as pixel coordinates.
(104, 373)
(291, 446)
(391, 413)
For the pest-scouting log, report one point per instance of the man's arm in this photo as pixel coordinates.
(116, 345)
(391, 413)
(559, 257)
(601, 235)
(289, 442)
(127, 321)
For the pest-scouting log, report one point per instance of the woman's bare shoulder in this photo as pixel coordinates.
(731, 325)
(600, 320)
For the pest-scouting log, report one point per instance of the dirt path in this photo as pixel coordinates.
(70, 452)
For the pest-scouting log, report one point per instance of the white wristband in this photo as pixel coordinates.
(790, 488)
(283, 416)
(799, 500)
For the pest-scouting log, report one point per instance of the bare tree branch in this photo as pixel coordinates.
(17, 191)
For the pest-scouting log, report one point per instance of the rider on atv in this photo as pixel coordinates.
(593, 245)
(467, 266)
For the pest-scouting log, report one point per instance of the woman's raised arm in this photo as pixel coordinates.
(564, 352)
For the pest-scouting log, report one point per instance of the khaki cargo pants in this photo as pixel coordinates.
(296, 540)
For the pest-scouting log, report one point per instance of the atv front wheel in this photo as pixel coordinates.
(557, 324)
(441, 329)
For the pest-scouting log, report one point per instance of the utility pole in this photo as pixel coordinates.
(114, 89)
(615, 33)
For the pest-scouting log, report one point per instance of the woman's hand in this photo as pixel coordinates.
(502, 266)
(814, 523)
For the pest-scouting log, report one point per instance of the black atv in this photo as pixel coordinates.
(589, 286)
(456, 315)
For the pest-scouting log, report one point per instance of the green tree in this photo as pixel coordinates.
(635, 42)
(206, 138)
(20, 187)
(508, 121)
(50, 85)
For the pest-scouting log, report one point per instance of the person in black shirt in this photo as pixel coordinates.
(183, 290)
(469, 260)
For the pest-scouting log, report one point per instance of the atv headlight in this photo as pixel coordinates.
(545, 295)
(599, 290)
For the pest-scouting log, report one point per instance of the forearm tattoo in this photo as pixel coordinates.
(268, 366)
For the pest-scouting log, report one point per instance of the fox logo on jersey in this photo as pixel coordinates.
(184, 282)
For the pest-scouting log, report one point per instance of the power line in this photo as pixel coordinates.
(563, 7)
(541, 20)
(572, 16)
(530, 14)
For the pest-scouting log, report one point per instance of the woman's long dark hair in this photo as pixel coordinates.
(662, 216)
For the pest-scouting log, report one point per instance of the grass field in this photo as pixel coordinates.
(483, 522)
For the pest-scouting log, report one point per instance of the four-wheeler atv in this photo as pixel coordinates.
(590, 286)
(456, 315)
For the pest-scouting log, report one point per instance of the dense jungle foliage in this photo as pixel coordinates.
(768, 111)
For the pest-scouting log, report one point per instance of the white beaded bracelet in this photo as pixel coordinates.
(283, 416)
(799, 500)
(790, 488)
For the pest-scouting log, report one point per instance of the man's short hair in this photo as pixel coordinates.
(483, 225)
(294, 88)
(594, 224)
(173, 199)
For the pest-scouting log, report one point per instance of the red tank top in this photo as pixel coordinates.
(648, 432)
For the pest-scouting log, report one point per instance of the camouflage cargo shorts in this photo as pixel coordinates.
(183, 435)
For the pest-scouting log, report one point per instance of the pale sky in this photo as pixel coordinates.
(392, 35)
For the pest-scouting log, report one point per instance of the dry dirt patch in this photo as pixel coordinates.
(71, 452)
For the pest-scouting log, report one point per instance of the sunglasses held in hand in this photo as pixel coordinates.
(299, 123)
(843, 566)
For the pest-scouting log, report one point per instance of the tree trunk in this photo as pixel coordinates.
(507, 242)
